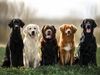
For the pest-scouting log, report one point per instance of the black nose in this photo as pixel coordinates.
(88, 27)
(49, 32)
(68, 32)
(33, 32)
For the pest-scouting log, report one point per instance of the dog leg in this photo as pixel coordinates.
(67, 57)
(6, 62)
(37, 60)
(26, 61)
(62, 58)
(72, 58)
(35, 63)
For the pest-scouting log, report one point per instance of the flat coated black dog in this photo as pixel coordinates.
(14, 48)
(49, 46)
(88, 46)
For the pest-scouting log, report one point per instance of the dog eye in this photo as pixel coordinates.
(34, 28)
(29, 28)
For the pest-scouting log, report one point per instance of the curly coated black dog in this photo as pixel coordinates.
(14, 49)
(49, 46)
(88, 46)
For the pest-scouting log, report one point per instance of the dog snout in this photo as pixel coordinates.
(16, 26)
(33, 32)
(49, 32)
(88, 27)
(69, 32)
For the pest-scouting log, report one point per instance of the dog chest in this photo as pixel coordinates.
(68, 47)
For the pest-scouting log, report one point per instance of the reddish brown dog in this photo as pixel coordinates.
(67, 46)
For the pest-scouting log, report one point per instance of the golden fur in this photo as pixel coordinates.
(66, 43)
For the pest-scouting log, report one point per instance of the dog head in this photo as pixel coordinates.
(15, 24)
(67, 29)
(88, 25)
(48, 32)
(31, 30)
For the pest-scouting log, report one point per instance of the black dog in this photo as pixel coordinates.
(49, 46)
(14, 49)
(87, 46)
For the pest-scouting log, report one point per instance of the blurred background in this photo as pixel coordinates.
(43, 12)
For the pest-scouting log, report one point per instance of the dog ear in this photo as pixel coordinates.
(21, 23)
(38, 29)
(43, 28)
(54, 28)
(11, 24)
(74, 28)
(94, 24)
(62, 28)
(82, 25)
(25, 30)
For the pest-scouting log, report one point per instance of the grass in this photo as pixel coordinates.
(51, 70)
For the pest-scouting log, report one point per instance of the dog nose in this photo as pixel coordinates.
(16, 26)
(88, 27)
(33, 32)
(68, 32)
(49, 32)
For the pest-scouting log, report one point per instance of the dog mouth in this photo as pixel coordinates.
(48, 34)
(16, 27)
(68, 32)
(88, 30)
(32, 35)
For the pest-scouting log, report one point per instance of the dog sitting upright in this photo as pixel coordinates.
(14, 49)
(66, 44)
(49, 46)
(87, 46)
(31, 52)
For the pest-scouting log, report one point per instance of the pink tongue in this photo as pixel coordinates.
(88, 30)
(48, 37)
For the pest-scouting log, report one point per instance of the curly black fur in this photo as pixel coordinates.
(87, 46)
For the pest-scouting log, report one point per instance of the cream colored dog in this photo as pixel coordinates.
(31, 52)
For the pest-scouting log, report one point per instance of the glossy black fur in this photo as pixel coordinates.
(87, 46)
(49, 48)
(14, 48)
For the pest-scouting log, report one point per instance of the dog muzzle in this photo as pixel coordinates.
(68, 32)
(32, 35)
(48, 34)
(88, 30)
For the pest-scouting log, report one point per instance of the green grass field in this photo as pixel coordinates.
(51, 70)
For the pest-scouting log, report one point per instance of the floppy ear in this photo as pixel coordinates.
(43, 28)
(25, 30)
(10, 24)
(21, 23)
(94, 24)
(82, 25)
(54, 28)
(74, 28)
(62, 28)
(38, 29)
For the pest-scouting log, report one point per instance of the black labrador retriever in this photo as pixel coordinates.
(14, 48)
(88, 46)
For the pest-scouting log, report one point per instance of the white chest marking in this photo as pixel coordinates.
(67, 47)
